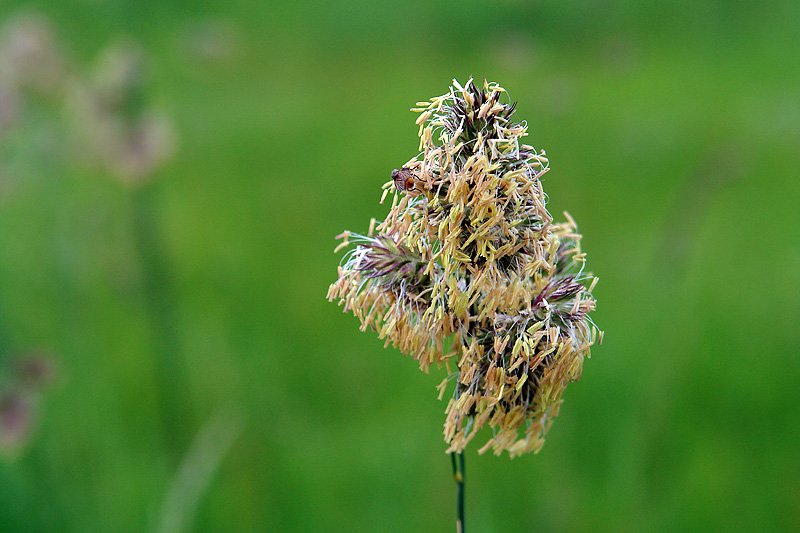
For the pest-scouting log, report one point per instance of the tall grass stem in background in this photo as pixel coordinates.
(197, 469)
(156, 290)
(130, 143)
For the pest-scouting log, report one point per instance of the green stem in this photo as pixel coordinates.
(158, 291)
(459, 475)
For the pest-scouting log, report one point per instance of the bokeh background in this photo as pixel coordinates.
(173, 174)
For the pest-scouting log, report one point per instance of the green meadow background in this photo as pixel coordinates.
(202, 382)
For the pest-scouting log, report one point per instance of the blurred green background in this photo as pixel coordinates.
(199, 380)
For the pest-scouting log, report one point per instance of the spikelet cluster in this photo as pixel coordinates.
(469, 269)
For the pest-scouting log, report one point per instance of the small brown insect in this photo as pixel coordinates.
(404, 179)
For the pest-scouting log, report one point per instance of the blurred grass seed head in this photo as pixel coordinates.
(130, 139)
(470, 267)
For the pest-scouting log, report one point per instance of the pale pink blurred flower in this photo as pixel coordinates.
(24, 379)
(125, 135)
(29, 55)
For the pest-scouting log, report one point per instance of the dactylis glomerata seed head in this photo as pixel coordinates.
(470, 259)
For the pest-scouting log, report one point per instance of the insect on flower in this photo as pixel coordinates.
(404, 179)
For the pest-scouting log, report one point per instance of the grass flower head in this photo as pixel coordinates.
(470, 270)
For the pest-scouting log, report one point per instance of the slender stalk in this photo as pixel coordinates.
(158, 291)
(459, 475)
